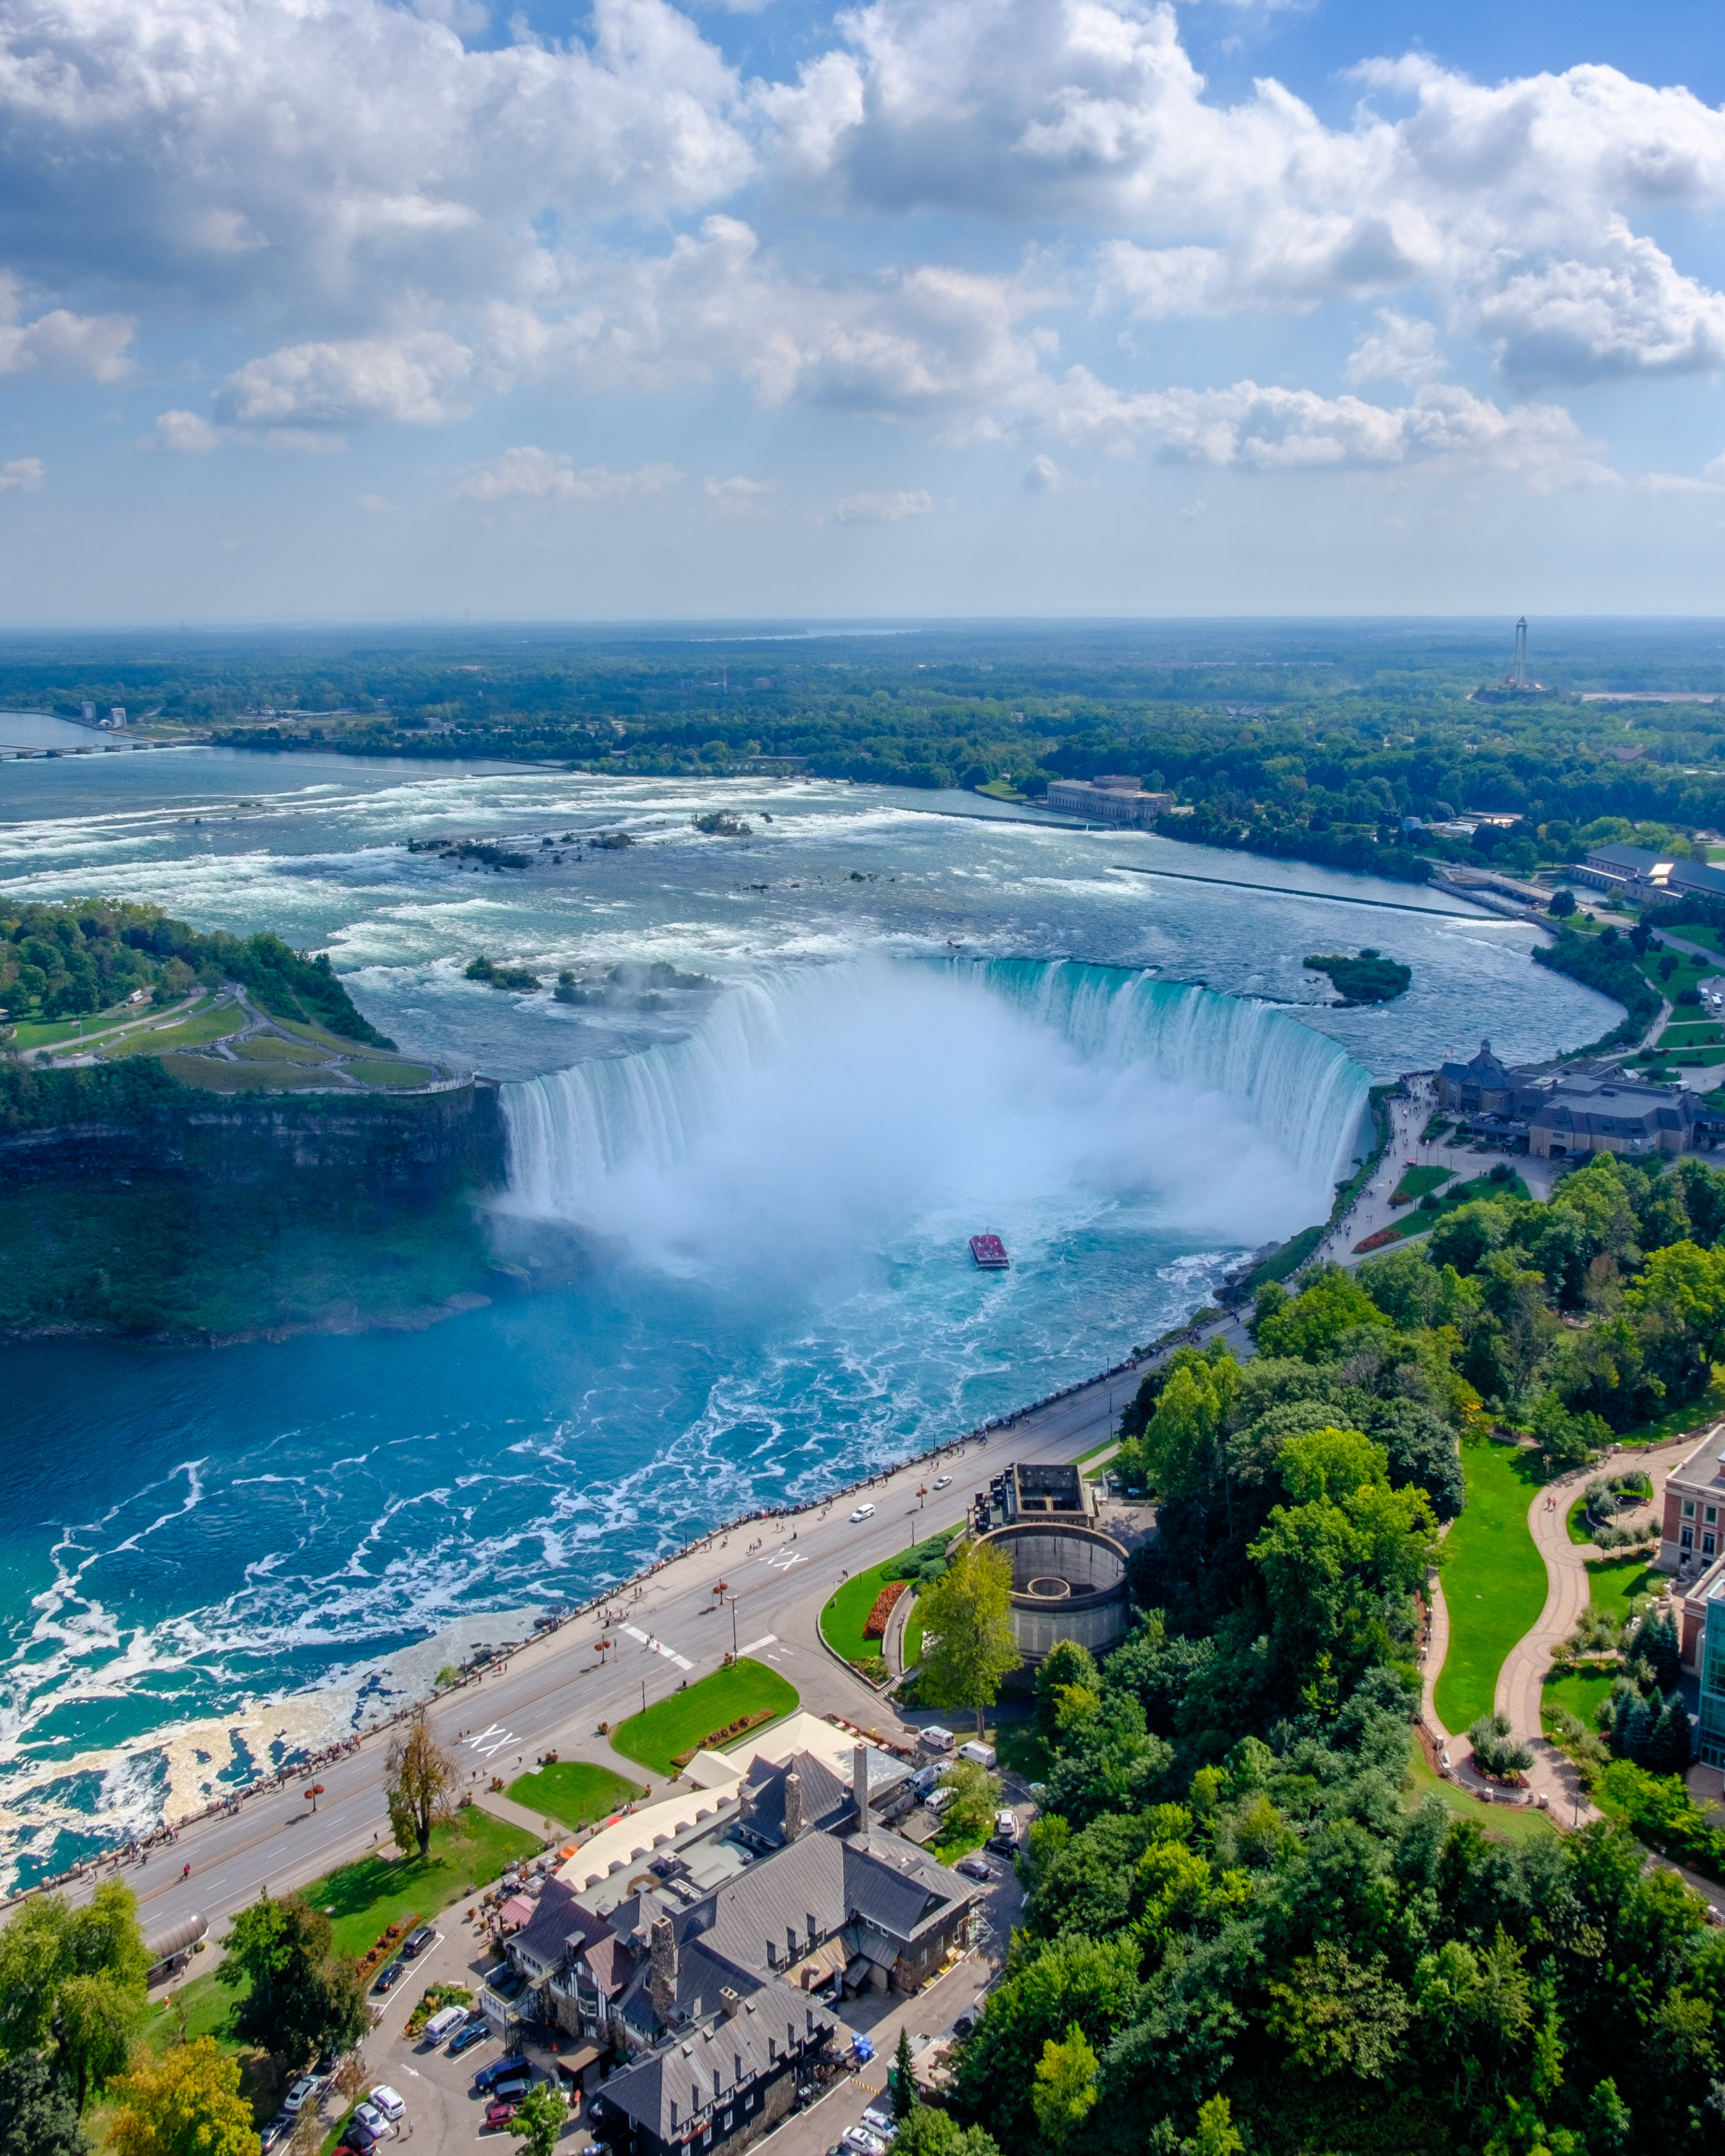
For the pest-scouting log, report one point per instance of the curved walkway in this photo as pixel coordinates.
(1569, 1589)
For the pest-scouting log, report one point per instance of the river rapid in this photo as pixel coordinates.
(916, 1017)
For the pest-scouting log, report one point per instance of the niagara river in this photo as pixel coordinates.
(899, 1022)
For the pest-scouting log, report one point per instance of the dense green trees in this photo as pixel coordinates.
(62, 962)
(71, 1994)
(1241, 1933)
(967, 1638)
(299, 1998)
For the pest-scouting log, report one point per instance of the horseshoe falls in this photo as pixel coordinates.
(823, 1119)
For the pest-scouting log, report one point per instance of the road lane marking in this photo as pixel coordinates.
(766, 1640)
(659, 1647)
(784, 1560)
(499, 1736)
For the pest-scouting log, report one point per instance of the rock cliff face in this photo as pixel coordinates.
(413, 1149)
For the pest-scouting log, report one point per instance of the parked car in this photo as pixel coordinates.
(416, 1946)
(388, 1976)
(864, 2143)
(973, 1867)
(980, 1754)
(937, 1800)
(1006, 1830)
(514, 2062)
(464, 2040)
(498, 2116)
(442, 2025)
(278, 2126)
(384, 2098)
(862, 1512)
(358, 2134)
(512, 2088)
(300, 2094)
(879, 2122)
(963, 2025)
(369, 2115)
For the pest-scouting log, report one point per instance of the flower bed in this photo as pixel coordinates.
(886, 1602)
(717, 1738)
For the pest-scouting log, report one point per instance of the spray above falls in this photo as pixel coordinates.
(818, 1109)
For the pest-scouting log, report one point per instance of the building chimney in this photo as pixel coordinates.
(662, 1975)
(793, 1820)
(859, 1757)
(728, 2002)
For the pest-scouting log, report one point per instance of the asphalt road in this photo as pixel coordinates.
(551, 1693)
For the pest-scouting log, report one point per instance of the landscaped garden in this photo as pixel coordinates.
(1613, 1583)
(361, 1900)
(719, 1710)
(1494, 1581)
(572, 1792)
(844, 1623)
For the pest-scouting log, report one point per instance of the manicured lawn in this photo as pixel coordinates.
(847, 1612)
(1580, 1692)
(1578, 1529)
(1417, 1181)
(573, 1791)
(194, 1032)
(684, 1722)
(362, 1899)
(1509, 1822)
(1494, 1582)
(913, 1636)
(1614, 1581)
(1693, 1415)
(206, 2002)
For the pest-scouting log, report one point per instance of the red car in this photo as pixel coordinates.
(498, 2115)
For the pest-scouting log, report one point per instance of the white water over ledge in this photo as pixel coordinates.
(821, 1109)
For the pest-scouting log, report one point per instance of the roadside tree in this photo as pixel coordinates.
(303, 1999)
(904, 2078)
(72, 1982)
(418, 1778)
(185, 2104)
(540, 2118)
(967, 1630)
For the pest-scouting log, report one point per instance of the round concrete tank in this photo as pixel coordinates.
(1068, 1582)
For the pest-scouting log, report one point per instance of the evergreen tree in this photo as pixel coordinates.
(904, 2079)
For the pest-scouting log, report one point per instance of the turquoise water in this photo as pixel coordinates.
(914, 1024)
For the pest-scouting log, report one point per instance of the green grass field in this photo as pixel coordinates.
(378, 1070)
(1508, 1822)
(197, 1031)
(216, 1076)
(847, 1611)
(1613, 1582)
(363, 1898)
(1494, 1582)
(1576, 1523)
(688, 1717)
(1417, 1181)
(573, 1791)
(1579, 1691)
(270, 1048)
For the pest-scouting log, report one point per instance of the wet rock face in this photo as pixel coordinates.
(424, 1147)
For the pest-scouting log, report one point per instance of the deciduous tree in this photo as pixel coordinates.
(418, 1778)
(967, 1629)
(185, 2104)
(540, 2118)
(302, 1998)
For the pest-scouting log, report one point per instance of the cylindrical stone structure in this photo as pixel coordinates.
(1069, 1582)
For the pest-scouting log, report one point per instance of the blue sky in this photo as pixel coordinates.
(341, 309)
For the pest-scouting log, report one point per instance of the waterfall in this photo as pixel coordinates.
(866, 1094)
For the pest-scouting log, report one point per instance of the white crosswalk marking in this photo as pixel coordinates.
(754, 1646)
(659, 1647)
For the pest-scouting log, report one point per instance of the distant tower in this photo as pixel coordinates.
(1521, 674)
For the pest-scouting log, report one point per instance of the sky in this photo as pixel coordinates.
(345, 309)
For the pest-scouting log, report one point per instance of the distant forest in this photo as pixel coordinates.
(1312, 739)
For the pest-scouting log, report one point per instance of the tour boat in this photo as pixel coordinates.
(989, 1252)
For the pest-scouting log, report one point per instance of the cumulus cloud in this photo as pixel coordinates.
(58, 345)
(1043, 476)
(742, 497)
(1268, 428)
(22, 475)
(1399, 350)
(1628, 311)
(421, 380)
(534, 475)
(882, 508)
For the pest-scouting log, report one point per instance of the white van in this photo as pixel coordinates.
(937, 1800)
(443, 2025)
(936, 1739)
(984, 1755)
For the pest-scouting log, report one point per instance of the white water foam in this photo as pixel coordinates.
(817, 1107)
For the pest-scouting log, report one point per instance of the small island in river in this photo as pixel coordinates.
(1368, 978)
